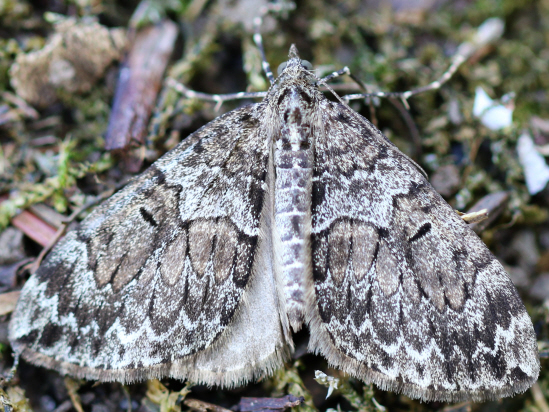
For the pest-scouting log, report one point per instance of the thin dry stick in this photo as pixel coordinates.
(539, 398)
(409, 120)
(474, 148)
(365, 88)
(460, 407)
(72, 388)
(128, 397)
(11, 373)
(201, 406)
(474, 217)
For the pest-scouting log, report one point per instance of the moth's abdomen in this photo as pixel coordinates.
(293, 195)
(293, 227)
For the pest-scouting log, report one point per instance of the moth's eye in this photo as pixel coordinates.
(307, 64)
(281, 68)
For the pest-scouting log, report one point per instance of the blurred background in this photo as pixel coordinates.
(85, 105)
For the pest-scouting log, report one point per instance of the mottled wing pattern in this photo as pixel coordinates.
(197, 268)
(160, 279)
(406, 295)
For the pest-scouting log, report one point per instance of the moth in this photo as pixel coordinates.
(295, 211)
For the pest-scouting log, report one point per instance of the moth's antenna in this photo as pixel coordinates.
(487, 33)
(258, 39)
(217, 98)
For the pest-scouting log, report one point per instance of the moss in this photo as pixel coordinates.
(387, 49)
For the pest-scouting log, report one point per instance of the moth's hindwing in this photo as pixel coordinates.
(172, 276)
(406, 295)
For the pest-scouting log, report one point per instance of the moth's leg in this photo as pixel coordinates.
(333, 75)
(345, 71)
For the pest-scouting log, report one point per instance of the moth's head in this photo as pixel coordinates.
(295, 67)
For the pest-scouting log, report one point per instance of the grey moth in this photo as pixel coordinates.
(295, 211)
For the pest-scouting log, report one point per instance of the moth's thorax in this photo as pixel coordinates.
(296, 111)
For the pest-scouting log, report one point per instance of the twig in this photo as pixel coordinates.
(128, 397)
(201, 406)
(72, 388)
(539, 398)
(13, 369)
(474, 217)
(137, 91)
(64, 407)
(414, 132)
(494, 203)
